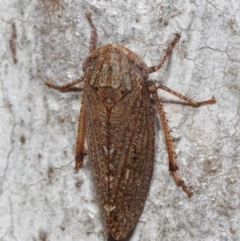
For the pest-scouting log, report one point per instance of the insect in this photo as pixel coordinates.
(117, 118)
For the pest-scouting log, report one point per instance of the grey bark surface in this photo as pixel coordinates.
(41, 196)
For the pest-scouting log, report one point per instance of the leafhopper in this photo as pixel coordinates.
(117, 119)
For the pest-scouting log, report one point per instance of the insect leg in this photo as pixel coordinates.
(171, 154)
(188, 100)
(81, 124)
(93, 41)
(167, 53)
(80, 138)
(66, 87)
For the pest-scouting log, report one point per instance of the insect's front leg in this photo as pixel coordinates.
(93, 41)
(165, 56)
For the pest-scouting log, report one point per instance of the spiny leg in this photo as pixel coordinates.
(167, 53)
(171, 154)
(172, 163)
(93, 41)
(188, 100)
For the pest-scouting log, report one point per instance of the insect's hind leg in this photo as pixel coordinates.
(93, 41)
(80, 138)
(169, 142)
(171, 154)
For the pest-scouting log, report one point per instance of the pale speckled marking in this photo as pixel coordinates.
(118, 116)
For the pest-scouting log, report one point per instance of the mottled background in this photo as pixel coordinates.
(42, 198)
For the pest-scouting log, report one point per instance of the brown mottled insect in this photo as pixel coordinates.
(117, 117)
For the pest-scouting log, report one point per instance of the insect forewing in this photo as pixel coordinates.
(120, 137)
